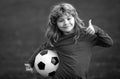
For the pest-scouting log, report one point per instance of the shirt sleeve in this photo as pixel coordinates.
(46, 45)
(102, 38)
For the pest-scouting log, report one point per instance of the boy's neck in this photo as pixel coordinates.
(68, 33)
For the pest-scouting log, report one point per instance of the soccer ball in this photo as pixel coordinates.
(46, 63)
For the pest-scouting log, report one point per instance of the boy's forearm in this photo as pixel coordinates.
(102, 38)
(31, 60)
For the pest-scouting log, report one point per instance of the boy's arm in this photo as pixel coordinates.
(31, 60)
(102, 39)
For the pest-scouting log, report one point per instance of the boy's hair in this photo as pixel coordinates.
(53, 33)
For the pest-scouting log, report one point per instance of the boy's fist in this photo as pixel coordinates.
(28, 67)
(90, 29)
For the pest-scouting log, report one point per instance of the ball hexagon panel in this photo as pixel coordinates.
(41, 66)
(44, 52)
(54, 60)
(51, 73)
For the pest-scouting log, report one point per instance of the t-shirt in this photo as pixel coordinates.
(75, 55)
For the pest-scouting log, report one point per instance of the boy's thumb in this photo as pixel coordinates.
(90, 24)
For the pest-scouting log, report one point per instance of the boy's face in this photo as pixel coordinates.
(66, 23)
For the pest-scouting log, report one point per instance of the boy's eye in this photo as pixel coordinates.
(60, 20)
(68, 18)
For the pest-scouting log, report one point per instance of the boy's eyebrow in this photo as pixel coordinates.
(66, 16)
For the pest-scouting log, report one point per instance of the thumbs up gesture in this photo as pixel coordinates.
(90, 29)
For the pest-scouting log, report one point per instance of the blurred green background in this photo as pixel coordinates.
(23, 24)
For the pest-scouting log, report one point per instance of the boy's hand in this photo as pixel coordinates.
(28, 67)
(90, 29)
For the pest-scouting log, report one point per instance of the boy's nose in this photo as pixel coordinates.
(66, 22)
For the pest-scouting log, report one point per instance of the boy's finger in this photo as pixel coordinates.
(27, 64)
(90, 24)
(88, 29)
